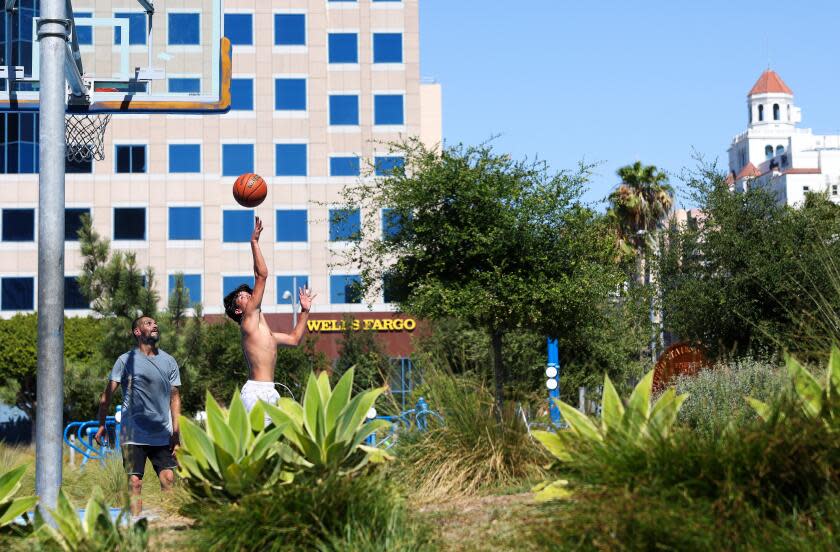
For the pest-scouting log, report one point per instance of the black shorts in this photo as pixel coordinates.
(134, 458)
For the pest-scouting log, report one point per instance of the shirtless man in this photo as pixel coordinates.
(259, 343)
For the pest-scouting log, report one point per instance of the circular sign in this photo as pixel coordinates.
(679, 359)
(551, 372)
(551, 384)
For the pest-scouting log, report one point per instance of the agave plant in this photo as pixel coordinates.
(96, 531)
(328, 429)
(10, 507)
(815, 399)
(632, 426)
(235, 454)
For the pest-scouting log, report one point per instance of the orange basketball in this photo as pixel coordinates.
(249, 190)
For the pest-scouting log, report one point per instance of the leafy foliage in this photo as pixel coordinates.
(11, 507)
(361, 351)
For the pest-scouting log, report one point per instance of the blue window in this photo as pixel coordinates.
(385, 166)
(136, 28)
(287, 284)
(84, 33)
(343, 48)
(344, 109)
(74, 299)
(18, 141)
(291, 225)
(73, 222)
(130, 159)
(18, 225)
(388, 109)
(242, 94)
(289, 29)
(239, 28)
(237, 226)
(237, 159)
(129, 223)
(184, 29)
(387, 48)
(290, 94)
(345, 224)
(290, 159)
(345, 166)
(184, 158)
(17, 293)
(185, 85)
(391, 223)
(192, 283)
(230, 283)
(345, 288)
(185, 223)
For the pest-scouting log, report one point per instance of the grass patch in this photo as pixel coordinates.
(472, 451)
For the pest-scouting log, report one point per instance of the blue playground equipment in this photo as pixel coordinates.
(421, 418)
(84, 432)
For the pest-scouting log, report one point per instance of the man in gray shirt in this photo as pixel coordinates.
(149, 378)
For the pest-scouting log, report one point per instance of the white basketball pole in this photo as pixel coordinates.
(52, 36)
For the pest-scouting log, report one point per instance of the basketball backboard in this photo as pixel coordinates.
(123, 56)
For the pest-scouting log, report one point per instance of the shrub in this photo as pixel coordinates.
(473, 450)
(716, 396)
(363, 512)
(11, 507)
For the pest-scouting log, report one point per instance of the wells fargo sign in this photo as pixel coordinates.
(678, 359)
(370, 324)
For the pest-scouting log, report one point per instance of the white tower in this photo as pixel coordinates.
(770, 102)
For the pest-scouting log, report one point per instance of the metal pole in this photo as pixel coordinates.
(294, 301)
(52, 36)
(554, 394)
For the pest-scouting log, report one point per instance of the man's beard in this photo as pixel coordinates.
(150, 339)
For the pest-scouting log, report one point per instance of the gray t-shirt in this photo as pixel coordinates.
(147, 383)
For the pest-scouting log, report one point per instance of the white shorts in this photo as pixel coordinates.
(254, 391)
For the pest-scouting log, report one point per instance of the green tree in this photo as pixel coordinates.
(473, 235)
(360, 348)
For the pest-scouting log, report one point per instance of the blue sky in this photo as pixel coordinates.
(613, 82)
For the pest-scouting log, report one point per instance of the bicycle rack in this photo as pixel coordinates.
(84, 432)
(420, 415)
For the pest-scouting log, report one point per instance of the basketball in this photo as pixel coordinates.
(249, 190)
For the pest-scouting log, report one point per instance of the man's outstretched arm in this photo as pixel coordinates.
(260, 273)
(292, 339)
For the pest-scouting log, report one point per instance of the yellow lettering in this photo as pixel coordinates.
(313, 325)
(356, 325)
(398, 324)
(388, 325)
(377, 325)
(368, 324)
(409, 324)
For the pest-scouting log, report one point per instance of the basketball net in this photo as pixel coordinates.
(84, 136)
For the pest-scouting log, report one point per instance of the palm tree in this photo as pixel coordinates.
(639, 207)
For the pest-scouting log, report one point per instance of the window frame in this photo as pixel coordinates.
(131, 145)
(128, 242)
(33, 278)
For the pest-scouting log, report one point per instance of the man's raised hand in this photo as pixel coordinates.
(306, 296)
(258, 227)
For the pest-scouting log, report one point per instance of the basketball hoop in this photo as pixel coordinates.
(84, 136)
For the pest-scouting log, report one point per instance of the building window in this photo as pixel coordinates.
(18, 143)
(834, 189)
(788, 112)
(129, 223)
(184, 158)
(18, 225)
(780, 150)
(345, 166)
(289, 29)
(78, 167)
(74, 299)
(17, 293)
(184, 29)
(237, 226)
(388, 109)
(185, 223)
(345, 288)
(136, 28)
(230, 283)
(388, 165)
(237, 159)
(394, 289)
(344, 109)
(749, 109)
(292, 225)
(73, 222)
(387, 48)
(768, 151)
(239, 28)
(290, 94)
(242, 94)
(192, 285)
(805, 189)
(760, 113)
(391, 223)
(286, 285)
(343, 47)
(345, 224)
(776, 114)
(131, 159)
(84, 33)
(784, 161)
(290, 159)
(181, 85)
